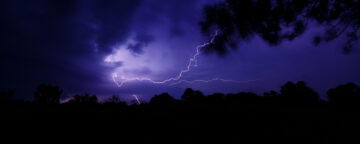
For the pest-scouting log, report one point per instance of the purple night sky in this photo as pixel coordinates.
(79, 45)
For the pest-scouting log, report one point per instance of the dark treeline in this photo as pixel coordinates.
(296, 114)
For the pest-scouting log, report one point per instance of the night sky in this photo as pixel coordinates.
(80, 45)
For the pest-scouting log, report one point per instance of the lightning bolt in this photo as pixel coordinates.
(192, 62)
(136, 98)
(211, 80)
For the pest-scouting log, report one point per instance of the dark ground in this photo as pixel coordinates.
(294, 115)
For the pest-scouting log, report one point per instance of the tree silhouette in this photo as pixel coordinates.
(162, 99)
(84, 99)
(344, 94)
(47, 94)
(272, 93)
(344, 106)
(299, 92)
(114, 99)
(278, 20)
(191, 96)
(295, 115)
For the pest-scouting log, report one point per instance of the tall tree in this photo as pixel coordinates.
(48, 94)
(278, 20)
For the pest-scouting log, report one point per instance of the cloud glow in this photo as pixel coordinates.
(132, 63)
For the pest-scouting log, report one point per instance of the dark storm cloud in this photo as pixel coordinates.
(111, 20)
(65, 25)
(45, 41)
(172, 16)
(140, 42)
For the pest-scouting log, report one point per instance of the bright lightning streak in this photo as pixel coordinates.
(136, 98)
(211, 80)
(192, 62)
